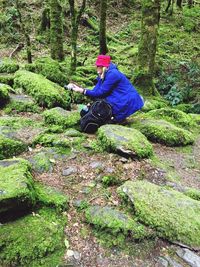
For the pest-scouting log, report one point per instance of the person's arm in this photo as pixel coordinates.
(105, 88)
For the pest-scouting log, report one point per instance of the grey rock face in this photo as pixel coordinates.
(188, 256)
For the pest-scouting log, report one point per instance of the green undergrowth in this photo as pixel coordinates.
(4, 94)
(34, 240)
(7, 78)
(8, 67)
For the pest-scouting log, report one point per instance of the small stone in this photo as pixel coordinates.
(77, 255)
(69, 171)
(96, 164)
(162, 261)
(188, 256)
(123, 160)
(70, 253)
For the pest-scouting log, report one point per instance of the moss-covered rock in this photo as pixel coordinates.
(174, 116)
(59, 116)
(4, 94)
(16, 122)
(8, 67)
(114, 220)
(10, 147)
(50, 69)
(192, 193)
(16, 185)
(7, 78)
(45, 92)
(51, 197)
(41, 162)
(174, 215)
(57, 140)
(124, 140)
(163, 132)
(196, 118)
(154, 103)
(21, 103)
(33, 240)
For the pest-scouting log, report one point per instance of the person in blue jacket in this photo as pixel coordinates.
(115, 88)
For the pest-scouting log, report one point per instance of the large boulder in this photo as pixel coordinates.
(174, 215)
(45, 92)
(21, 103)
(34, 240)
(175, 116)
(124, 140)
(115, 221)
(16, 185)
(59, 116)
(49, 68)
(164, 132)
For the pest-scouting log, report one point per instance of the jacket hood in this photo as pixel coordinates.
(112, 66)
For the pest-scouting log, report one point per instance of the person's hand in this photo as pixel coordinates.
(75, 88)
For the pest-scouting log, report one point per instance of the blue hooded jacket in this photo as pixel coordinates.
(118, 91)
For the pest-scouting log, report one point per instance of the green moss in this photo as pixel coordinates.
(193, 193)
(154, 103)
(119, 138)
(4, 94)
(109, 180)
(7, 78)
(165, 133)
(115, 221)
(6, 67)
(10, 147)
(16, 185)
(17, 122)
(52, 140)
(59, 116)
(173, 215)
(174, 116)
(45, 92)
(34, 240)
(51, 197)
(41, 162)
(19, 104)
(50, 69)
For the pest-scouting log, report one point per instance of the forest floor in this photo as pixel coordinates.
(79, 176)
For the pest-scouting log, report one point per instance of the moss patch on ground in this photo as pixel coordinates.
(7, 78)
(33, 240)
(163, 132)
(172, 214)
(154, 103)
(10, 147)
(125, 140)
(59, 116)
(8, 67)
(45, 92)
(49, 196)
(16, 185)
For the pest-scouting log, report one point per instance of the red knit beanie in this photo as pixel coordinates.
(103, 61)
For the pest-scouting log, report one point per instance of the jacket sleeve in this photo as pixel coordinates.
(103, 89)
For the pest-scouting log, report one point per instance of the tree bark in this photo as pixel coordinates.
(148, 46)
(25, 33)
(102, 28)
(190, 3)
(56, 30)
(179, 3)
(75, 20)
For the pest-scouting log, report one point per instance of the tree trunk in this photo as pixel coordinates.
(25, 33)
(75, 20)
(102, 28)
(148, 45)
(56, 30)
(179, 3)
(190, 3)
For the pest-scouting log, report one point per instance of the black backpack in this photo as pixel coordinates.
(98, 114)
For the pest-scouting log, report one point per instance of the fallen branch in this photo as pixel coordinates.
(17, 49)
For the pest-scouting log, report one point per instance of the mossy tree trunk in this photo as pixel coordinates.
(102, 28)
(148, 46)
(24, 32)
(45, 17)
(56, 30)
(170, 4)
(75, 20)
(190, 3)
